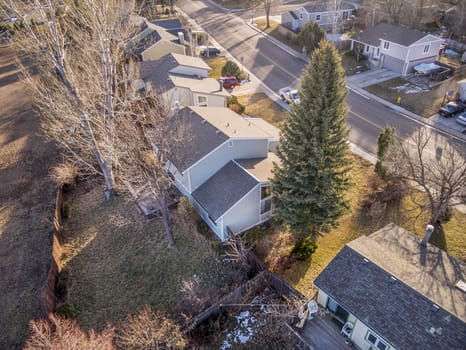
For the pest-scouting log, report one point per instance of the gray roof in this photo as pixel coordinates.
(225, 188)
(316, 8)
(157, 72)
(398, 313)
(389, 32)
(169, 23)
(260, 168)
(199, 138)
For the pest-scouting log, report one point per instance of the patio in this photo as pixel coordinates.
(323, 333)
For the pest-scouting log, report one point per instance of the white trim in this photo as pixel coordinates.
(189, 181)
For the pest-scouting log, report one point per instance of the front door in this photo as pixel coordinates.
(377, 53)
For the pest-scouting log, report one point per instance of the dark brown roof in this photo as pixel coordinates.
(225, 188)
(395, 34)
(387, 304)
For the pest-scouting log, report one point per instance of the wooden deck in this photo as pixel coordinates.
(321, 333)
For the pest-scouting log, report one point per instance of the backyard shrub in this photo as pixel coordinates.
(65, 210)
(303, 249)
(235, 106)
(202, 227)
(65, 310)
(185, 210)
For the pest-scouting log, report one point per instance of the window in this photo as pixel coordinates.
(345, 15)
(426, 48)
(202, 101)
(367, 48)
(386, 45)
(265, 192)
(317, 17)
(230, 143)
(301, 15)
(374, 340)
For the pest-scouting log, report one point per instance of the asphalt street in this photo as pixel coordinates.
(278, 68)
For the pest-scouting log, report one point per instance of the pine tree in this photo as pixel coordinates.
(310, 184)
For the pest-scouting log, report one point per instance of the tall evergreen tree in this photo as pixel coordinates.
(311, 182)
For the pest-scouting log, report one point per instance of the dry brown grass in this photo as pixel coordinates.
(26, 207)
(216, 63)
(118, 262)
(259, 105)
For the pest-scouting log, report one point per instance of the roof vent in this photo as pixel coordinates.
(392, 279)
(217, 132)
(435, 307)
(461, 285)
(365, 261)
(234, 131)
(447, 319)
(203, 121)
(227, 125)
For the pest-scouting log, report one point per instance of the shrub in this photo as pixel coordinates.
(202, 227)
(61, 283)
(231, 68)
(303, 249)
(64, 174)
(235, 106)
(65, 310)
(65, 210)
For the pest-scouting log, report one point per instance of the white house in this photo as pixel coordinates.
(325, 15)
(394, 292)
(223, 167)
(181, 80)
(396, 48)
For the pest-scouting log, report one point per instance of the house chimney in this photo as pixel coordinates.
(181, 37)
(429, 230)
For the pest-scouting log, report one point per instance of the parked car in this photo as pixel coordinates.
(450, 109)
(461, 119)
(229, 82)
(208, 51)
(289, 95)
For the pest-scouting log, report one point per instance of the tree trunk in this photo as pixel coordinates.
(166, 222)
(109, 191)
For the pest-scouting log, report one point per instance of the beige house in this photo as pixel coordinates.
(391, 291)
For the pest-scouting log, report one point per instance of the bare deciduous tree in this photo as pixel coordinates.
(267, 6)
(79, 85)
(58, 333)
(150, 330)
(394, 10)
(146, 137)
(434, 165)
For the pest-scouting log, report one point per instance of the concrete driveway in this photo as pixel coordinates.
(371, 77)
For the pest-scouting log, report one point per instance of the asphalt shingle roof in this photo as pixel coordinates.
(395, 34)
(390, 307)
(316, 8)
(225, 188)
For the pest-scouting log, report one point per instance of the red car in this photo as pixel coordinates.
(450, 109)
(229, 82)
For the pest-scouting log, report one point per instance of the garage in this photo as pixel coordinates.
(393, 64)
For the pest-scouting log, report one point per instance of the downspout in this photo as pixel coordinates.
(405, 66)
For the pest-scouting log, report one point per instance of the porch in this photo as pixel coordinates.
(323, 333)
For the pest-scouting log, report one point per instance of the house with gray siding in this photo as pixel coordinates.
(325, 15)
(181, 80)
(396, 48)
(223, 166)
(390, 291)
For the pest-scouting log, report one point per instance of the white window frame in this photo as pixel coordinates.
(377, 341)
(201, 104)
(301, 15)
(230, 143)
(386, 45)
(426, 48)
(317, 18)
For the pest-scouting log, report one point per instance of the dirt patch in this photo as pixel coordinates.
(26, 207)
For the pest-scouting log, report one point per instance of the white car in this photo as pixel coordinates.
(289, 95)
(461, 119)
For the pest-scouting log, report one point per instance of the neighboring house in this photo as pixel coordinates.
(181, 80)
(396, 293)
(322, 14)
(397, 48)
(223, 167)
(157, 39)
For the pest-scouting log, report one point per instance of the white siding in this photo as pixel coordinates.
(394, 50)
(322, 298)
(212, 100)
(416, 52)
(185, 70)
(245, 213)
(358, 336)
(216, 227)
(213, 162)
